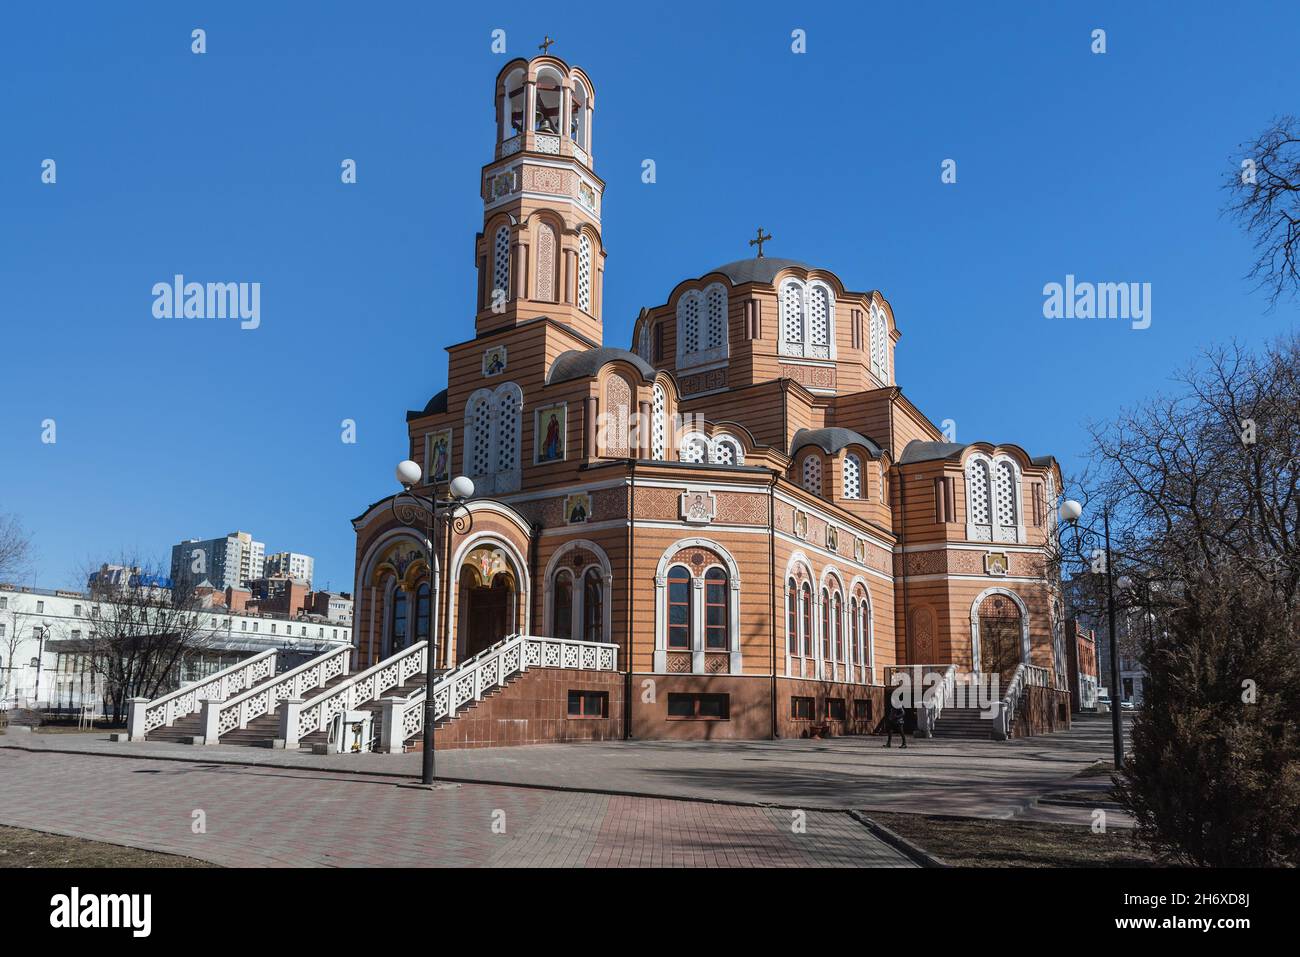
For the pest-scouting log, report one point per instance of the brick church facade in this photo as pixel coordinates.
(745, 503)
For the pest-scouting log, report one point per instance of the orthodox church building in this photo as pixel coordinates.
(744, 504)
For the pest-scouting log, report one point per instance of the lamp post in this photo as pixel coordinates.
(428, 516)
(1070, 512)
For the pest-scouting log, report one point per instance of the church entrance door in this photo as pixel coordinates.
(487, 601)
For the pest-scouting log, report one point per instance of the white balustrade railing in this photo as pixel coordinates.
(491, 668)
(1024, 676)
(145, 716)
(300, 718)
(226, 716)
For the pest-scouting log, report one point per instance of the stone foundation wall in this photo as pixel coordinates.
(1041, 711)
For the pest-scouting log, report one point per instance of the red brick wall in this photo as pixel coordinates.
(1041, 711)
(534, 709)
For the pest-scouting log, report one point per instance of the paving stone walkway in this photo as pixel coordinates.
(936, 776)
(291, 817)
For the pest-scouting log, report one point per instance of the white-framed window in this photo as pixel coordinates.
(501, 263)
(812, 474)
(658, 423)
(879, 345)
(994, 511)
(722, 449)
(697, 605)
(492, 433)
(852, 476)
(584, 273)
(702, 326)
(807, 319)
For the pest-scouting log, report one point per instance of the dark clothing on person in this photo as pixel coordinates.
(894, 721)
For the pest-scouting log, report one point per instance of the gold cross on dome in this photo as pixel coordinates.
(545, 45)
(759, 241)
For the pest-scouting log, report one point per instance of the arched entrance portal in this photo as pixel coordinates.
(1000, 630)
(487, 601)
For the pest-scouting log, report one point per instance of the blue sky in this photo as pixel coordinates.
(225, 167)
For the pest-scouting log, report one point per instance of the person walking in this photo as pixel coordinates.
(894, 721)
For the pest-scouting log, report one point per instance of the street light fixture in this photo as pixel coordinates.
(1071, 511)
(431, 516)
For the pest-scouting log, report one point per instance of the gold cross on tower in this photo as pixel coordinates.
(759, 241)
(545, 45)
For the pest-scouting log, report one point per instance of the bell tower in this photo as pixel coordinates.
(540, 252)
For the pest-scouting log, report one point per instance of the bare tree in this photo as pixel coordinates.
(142, 633)
(15, 548)
(1265, 193)
(15, 633)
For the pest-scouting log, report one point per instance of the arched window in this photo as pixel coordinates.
(492, 430)
(702, 326)
(852, 476)
(679, 608)
(792, 617)
(501, 263)
(716, 300)
(826, 625)
(807, 319)
(792, 338)
(695, 450)
(806, 631)
(549, 101)
(688, 323)
(398, 637)
(978, 514)
(578, 119)
(837, 622)
(659, 423)
(562, 605)
(593, 606)
(715, 610)
(726, 451)
(812, 474)
(584, 273)
(1005, 486)
(879, 346)
(422, 612)
(854, 632)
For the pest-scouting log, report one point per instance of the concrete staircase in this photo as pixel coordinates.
(964, 723)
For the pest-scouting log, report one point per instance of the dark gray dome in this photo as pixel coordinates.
(756, 270)
(832, 440)
(435, 405)
(585, 363)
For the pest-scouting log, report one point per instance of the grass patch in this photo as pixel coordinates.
(980, 842)
(20, 847)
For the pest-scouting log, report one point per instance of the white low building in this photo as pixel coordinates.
(40, 630)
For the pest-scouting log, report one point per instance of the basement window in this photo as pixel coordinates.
(588, 704)
(862, 709)
(835, 709)
(701, 707)
(803, 709)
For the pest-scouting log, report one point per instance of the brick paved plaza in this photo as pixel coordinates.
(272, 817)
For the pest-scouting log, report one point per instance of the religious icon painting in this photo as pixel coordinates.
(997, 563)
(832, 538)
(494, 361)
(698, 507)
(549, 428)
(860, 550)
(801, 523)
(437, 455)
(577, 508)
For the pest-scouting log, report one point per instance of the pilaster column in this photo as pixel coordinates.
(589, 415)
(643, 429)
